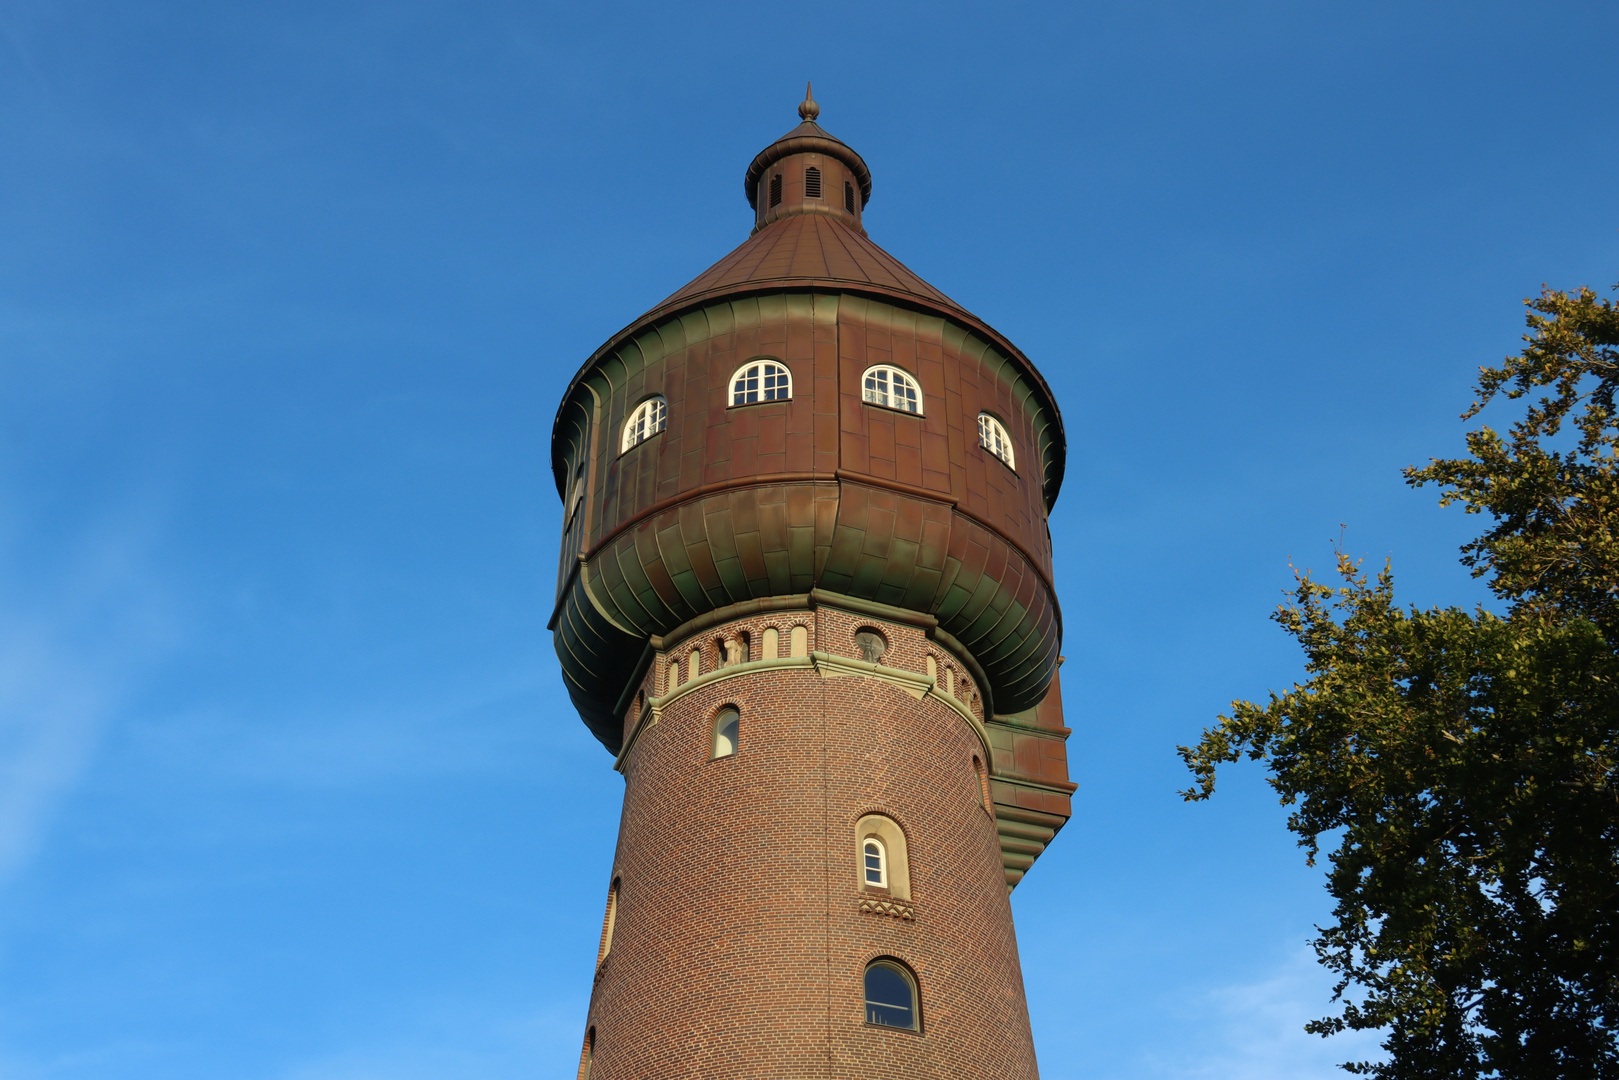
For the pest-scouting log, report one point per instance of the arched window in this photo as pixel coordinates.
(893, 865)
(848, 196)
(576, 495)
(608, 922)
(983, 785)
(812, 183)
(874, 862)
(761, 380)
(890, 996)
(725, 731)
(775, 191)
(649, 418)
(892, 389)
(587, 1057)
(993, 437)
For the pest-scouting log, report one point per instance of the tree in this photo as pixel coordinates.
(1464, 763)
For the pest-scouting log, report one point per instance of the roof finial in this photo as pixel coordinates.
(807, 109)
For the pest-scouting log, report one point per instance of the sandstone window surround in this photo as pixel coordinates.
(649, 418)
(587, 1056)
(761, 379)
(609, 921)
(890, 388)
(893, 860)
(983, 786)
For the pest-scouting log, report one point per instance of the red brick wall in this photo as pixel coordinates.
(739, 945)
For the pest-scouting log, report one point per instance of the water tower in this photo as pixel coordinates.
(805, 600)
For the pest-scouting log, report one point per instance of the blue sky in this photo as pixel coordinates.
(288, 293)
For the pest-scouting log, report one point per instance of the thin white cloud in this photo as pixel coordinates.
(1255, 1030)
(73, 636)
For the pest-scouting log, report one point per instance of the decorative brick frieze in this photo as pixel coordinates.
(898, 910)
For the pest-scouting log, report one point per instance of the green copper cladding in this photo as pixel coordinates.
(688, 522)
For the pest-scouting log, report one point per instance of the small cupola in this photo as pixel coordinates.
(807, 171)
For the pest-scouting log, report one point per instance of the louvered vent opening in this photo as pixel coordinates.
(812, 183)
(848, 196)
(775, 191)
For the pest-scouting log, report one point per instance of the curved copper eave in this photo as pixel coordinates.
(734, 276)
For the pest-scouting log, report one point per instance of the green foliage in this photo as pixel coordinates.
(1464, 763)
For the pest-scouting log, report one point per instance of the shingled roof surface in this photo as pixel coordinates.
(807, 249)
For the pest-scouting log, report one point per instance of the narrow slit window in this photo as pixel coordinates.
(890, 996)
(892, 389)
(587, 1057)
(761, 380)
(993, 437)
(725, 732)
(775, 191)
(649, 418)
(609, 921)
(812, 183)
(848, 196)
(874, 863)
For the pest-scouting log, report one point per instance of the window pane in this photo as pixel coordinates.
(778, 385)
(888, 998)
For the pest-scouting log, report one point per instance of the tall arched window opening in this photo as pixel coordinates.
(726, 726)
(983, 785)
(881, 837)
(761, 380)
(848, 196)
(649, 418)
(993, 437)
(609, 921)
(775, 191)
(587, 1056)
(812, 183)
(892, 389)
(891, 996)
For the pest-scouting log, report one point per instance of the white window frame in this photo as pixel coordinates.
(649, 418)
(992, 436)
(884, 385)
(882, 862)
(771, 381)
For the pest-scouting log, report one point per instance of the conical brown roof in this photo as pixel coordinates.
(808, 249)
